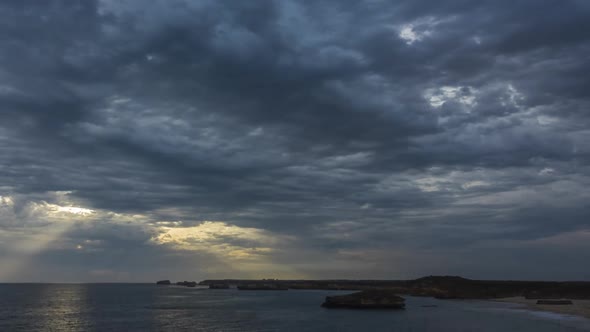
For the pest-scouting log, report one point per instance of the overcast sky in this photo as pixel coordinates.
(144, 140)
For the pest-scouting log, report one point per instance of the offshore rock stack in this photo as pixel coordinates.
(219, 286)
(367, 299)
(259, 286)
(180, 283)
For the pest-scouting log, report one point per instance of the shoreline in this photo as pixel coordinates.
(579, 308)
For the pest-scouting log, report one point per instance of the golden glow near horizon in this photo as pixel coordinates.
(37, 226)
(245, 249)
(219, 238)
(43, 224)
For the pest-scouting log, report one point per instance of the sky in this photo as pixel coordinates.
(185, 140)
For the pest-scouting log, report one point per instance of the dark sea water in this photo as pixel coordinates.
(142, 307)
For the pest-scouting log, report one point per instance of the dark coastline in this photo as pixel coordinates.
(442, 287)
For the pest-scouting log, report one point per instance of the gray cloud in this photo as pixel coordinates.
(353, 128)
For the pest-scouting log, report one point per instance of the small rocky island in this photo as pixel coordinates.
(219, 286)
(180, 283)
(555, 302)
(367, 299)
(263, 287)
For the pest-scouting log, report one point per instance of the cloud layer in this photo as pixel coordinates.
(366, 139)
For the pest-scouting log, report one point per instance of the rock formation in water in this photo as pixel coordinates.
(163, 282)
(555, 302)
(219, 286)
(367, 299)
(259, 286)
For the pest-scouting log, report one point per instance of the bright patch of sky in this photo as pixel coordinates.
(461, 94)
(420, 29)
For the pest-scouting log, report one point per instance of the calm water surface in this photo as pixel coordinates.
(142, 307)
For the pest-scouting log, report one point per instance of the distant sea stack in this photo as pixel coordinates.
(163, 282)
(263, 287)
(219, 286)
(187, 283)
(555, 302)
(367, 299)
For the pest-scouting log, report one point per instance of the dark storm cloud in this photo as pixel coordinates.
(412, 124)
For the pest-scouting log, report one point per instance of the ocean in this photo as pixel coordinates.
(147, 307)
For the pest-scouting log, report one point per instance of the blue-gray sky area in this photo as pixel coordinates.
(177, 139)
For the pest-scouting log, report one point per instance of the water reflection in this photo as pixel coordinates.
(177, 308)
(44, 307)
(64, 308)
(132, 307)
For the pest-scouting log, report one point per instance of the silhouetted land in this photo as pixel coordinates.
(366, 299)
(263, 286)
(443, 287)
(179, 283)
